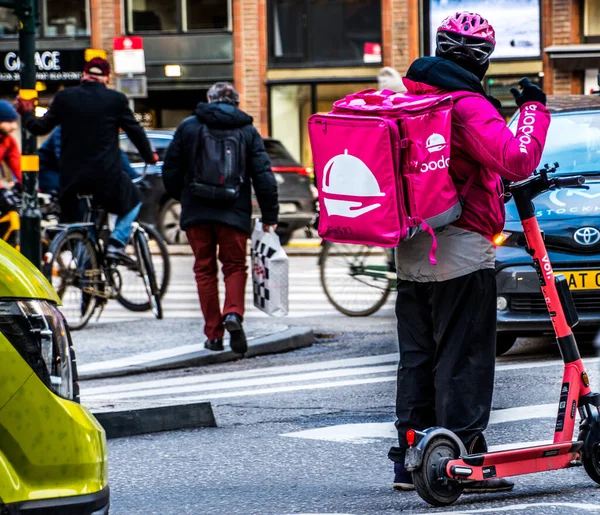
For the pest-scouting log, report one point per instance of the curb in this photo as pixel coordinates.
(196, 355)
(119, 424)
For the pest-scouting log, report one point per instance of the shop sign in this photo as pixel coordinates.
(52, 65)
(372, 53)
(128, 55)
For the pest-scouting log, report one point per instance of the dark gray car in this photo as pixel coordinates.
(296, 200)
(570, 221)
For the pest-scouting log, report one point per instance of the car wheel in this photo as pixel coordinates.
(504, 342)
(284, 237)
(168, 223)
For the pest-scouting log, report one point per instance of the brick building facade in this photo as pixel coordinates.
(289, 59)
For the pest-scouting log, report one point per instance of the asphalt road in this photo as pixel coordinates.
(308, 433)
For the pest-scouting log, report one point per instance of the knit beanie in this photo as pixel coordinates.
(7, 112)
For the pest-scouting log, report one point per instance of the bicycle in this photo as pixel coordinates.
(84, 279)
(357, 279)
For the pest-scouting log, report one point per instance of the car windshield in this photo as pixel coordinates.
(573, 142)
(278, 154)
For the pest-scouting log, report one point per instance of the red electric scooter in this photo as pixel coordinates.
(437, 458)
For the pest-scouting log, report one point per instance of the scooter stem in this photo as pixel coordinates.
(543, 267)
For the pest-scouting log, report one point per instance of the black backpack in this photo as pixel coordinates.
(219, 164)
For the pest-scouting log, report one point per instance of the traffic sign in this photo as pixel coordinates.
(129, 55)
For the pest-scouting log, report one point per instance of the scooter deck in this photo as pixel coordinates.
(516, 462)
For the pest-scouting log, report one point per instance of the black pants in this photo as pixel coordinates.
(447, 337)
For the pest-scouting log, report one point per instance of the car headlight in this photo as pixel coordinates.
(37, 330)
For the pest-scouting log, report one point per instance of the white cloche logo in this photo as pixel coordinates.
(348, 176)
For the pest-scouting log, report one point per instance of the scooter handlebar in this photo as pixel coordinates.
(569, 182)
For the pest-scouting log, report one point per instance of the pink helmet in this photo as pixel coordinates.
(468, 35)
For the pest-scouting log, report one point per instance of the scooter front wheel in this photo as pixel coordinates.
(591, 450)
(430, 479)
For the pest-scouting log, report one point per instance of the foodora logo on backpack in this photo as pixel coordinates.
(435, 143)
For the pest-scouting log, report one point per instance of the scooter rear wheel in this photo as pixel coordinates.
(591, 450)
(431, 480)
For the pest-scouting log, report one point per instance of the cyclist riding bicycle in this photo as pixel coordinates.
(91, 115)
(447, 313)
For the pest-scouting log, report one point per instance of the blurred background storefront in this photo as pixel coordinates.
(292, 58)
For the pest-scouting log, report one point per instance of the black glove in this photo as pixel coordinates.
(529, 93)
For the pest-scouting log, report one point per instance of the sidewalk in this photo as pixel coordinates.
(120, 348)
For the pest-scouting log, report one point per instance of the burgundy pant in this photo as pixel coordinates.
(205, 239)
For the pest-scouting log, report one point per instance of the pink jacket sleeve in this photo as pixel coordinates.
(483, 135)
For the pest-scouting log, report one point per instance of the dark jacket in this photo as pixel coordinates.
(49, 153)
(178, 170)
(90, 160)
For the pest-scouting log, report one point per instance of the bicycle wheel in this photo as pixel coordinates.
(73, 266)
(355, 278)
(142, 251)
(133, 294)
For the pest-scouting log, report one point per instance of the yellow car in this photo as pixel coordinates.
(53, 455)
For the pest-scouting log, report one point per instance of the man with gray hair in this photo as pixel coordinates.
(214, 157)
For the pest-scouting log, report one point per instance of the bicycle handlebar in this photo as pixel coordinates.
(572, 181)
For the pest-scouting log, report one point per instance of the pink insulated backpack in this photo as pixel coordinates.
(381, 163)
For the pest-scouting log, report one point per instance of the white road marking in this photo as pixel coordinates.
(245, 383)
(290, 373)
(227, 376)
(266, 391)
(370, 432)
(522, 506)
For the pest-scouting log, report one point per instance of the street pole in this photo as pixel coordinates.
(31, 246)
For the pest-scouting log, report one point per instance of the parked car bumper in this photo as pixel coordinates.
(525, 311)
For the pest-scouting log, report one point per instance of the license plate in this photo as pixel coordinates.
(582, 279)
(286, 209)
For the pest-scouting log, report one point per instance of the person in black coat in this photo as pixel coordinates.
(91, 115)
(217, 223)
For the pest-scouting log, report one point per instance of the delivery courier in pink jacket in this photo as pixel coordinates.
(483, 145)
(446, 313)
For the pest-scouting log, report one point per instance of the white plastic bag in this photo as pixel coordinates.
(269, 272)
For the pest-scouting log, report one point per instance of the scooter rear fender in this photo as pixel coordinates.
(414, 455)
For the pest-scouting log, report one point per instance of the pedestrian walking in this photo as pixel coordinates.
(214, 158)
(389, 78)
(446, 313)
(90, 116)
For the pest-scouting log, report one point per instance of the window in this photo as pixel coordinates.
(517, 24)
(591, 21)
(324, 32)
(289, 24)
(8, 22)
(207, 14)
(59, 18)
(65, 18)
(147, 15)
(177, 15)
